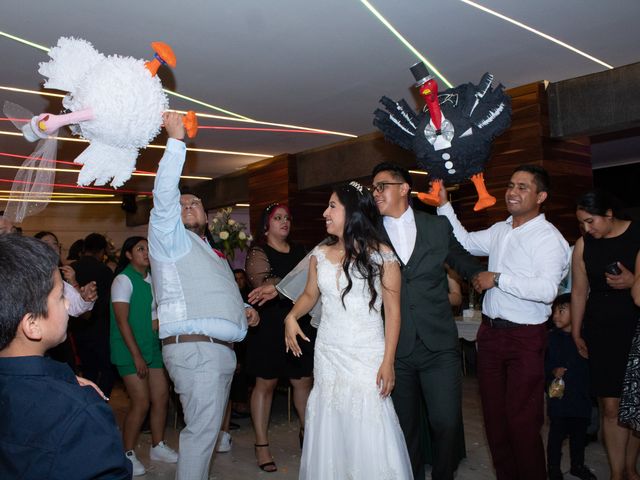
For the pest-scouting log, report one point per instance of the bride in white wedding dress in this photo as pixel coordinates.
(351, 429)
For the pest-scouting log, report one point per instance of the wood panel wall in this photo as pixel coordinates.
(528, 141)
(302, 181)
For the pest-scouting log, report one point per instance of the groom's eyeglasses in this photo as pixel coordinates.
(379, 187)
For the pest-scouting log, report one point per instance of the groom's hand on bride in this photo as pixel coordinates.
(291, 332)
(386, 379)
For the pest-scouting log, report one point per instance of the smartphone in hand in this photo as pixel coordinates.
(613, 269)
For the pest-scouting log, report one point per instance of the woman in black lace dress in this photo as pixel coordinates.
(267, 263)
(604, 315)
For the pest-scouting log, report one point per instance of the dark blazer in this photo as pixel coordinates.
(425, 309)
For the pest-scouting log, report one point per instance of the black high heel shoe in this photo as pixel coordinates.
(268, 467)
(301, 436)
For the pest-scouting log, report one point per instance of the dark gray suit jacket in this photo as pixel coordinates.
(426, 312)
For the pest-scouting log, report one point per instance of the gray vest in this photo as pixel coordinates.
(199, 285)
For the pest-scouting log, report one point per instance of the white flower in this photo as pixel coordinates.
(242, 236)
(231, 221)
(224, 235)
(250, 238)
(215, 220)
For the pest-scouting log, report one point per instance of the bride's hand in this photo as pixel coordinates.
(291, 331)
(386, 378)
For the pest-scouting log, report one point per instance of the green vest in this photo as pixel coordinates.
(139, 321)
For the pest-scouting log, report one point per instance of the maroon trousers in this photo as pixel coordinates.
(511, 379)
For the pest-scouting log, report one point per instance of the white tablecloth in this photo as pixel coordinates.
(467, 328)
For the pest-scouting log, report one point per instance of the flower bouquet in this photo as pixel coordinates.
(228, 234)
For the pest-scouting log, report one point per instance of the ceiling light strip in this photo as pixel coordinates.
(204, 104)
(77, 187)
(34, 92)
(239, 118)
(80, 202)
(141, 173)
(255, 129)
(26, 42)
(406, 43)
(236, 116)
(92, 195)
(537, 32)
(284, 125)
(189, 149)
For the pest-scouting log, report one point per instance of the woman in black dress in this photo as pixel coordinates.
(267, 263)
(604, 316)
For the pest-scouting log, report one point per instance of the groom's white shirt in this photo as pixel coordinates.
(402, 232)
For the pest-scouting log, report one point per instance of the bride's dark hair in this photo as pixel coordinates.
(361, 237)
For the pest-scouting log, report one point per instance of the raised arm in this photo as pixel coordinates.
(476, 243)
(167, 236)
(303, 305)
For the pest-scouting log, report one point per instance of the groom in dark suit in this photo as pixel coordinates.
(427, 359)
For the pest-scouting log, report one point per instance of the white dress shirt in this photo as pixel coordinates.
(77, 305)
(402, 233)
(532, 259)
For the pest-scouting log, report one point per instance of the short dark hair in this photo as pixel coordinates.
(394, 169)
(540, 176)
(44, 233)
(564, 299)
(26, 275)
(94, 242)
(76, 249)
(599, 202)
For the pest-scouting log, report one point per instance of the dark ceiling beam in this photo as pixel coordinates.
(595, 104)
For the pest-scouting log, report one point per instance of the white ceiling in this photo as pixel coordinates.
(321, 64)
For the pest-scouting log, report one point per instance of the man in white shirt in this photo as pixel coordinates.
(528, 257)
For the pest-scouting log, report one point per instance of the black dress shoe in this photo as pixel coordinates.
(555, 473)
(583, 472)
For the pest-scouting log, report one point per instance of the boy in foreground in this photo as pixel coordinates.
(50, 426)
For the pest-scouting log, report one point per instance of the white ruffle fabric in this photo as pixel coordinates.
(126, 100)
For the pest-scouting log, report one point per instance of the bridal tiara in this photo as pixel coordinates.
(357, 186)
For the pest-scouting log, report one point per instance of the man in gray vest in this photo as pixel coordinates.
(200, 309)
(428, 358)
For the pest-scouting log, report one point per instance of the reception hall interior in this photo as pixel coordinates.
(284, 94)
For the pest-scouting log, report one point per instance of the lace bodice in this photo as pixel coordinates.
(354, 322)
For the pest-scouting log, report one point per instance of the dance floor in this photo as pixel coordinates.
(239, 464)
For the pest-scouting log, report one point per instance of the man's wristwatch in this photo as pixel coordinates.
(496, 279)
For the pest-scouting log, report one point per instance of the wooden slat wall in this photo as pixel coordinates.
(268, 183)
(527, 141)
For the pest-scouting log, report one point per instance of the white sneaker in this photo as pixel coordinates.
(163, 453)
(138, 467)
(224, 442)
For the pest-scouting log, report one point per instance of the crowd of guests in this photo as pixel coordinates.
(380, 371)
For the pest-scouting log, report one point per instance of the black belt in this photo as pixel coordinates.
(194, 338)
(501, 323)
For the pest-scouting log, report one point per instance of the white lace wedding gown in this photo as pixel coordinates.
(351, 432)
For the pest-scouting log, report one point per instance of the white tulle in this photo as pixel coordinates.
(351, 432)
(126, 100)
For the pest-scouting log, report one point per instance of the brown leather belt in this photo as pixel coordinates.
(194, 338)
